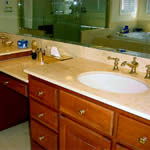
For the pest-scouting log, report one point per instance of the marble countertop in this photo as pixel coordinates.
(15, 67)
(65, 74)
(12, 50)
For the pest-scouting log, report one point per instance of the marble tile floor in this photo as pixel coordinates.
(15, 138)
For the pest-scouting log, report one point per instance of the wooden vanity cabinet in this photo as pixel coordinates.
(13, 101)
(76, 137)
(76, 122)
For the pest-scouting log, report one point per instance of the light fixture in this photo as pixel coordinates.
(19, 3)
(75, 2)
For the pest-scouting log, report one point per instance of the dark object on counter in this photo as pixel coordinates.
(138, 30)
(125, 29)
(34, 55)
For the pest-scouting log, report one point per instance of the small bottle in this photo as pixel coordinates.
(34, 55)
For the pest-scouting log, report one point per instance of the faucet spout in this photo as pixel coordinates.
(133, 65)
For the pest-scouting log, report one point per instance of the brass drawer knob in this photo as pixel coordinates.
(40, 93)
(6, 82)
(41, 138)
(40, 115)
(81, 112)
(142, 140)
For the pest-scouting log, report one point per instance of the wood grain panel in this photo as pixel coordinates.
(76, 137)
(119, 147)
(44, 93)
(94, 115)
(132, 132)
(14, 84)
(44, 115)
(43, 136)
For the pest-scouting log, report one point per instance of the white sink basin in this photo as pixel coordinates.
(112, 82)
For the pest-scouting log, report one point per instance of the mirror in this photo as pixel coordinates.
(120, 25)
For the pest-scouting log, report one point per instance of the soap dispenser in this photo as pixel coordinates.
(34, 48)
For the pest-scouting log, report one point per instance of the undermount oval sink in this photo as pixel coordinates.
(112, 82)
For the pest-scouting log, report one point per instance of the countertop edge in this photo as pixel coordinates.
(16, 52)
(15, 76)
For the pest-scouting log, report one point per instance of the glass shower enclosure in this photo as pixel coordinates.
(62, 19)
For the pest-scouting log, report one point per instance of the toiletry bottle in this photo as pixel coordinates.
(34, 44)
(34, 54)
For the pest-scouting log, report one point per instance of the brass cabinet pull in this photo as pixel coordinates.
(81, 112)
(40, 115)
(6, 82)
(41, 138)
(142, 140)
(40, 93)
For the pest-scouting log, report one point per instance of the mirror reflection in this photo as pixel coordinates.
(119, 24)
(62, 19)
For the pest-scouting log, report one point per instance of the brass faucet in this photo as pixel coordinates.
(116, 60)
(41, 54)
(133, 65)
(4, 37)
(147, 72)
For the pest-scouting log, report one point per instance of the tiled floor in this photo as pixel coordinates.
(15, 138)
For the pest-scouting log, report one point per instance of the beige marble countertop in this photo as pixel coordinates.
(65, 74)
(12, 50)
(15, 67)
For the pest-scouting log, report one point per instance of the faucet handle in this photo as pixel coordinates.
(116, 60)
(147, 66)
(147, 76)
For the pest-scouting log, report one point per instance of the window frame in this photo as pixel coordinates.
(148, 7)
(126, 12)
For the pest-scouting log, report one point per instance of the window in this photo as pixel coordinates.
(128, 7)
(148, 7)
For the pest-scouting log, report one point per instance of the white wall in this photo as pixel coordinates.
(117, 20)
(28, 14)
(9, 20)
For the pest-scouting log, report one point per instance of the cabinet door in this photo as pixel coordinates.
(13, 108)
(76, 137)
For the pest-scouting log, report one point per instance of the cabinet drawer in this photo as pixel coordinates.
(35, 146)
(42, 92)
(43, 136)
(134, 133)
(119, 147)
(14, 84)
(44, 115)
(87, 112)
